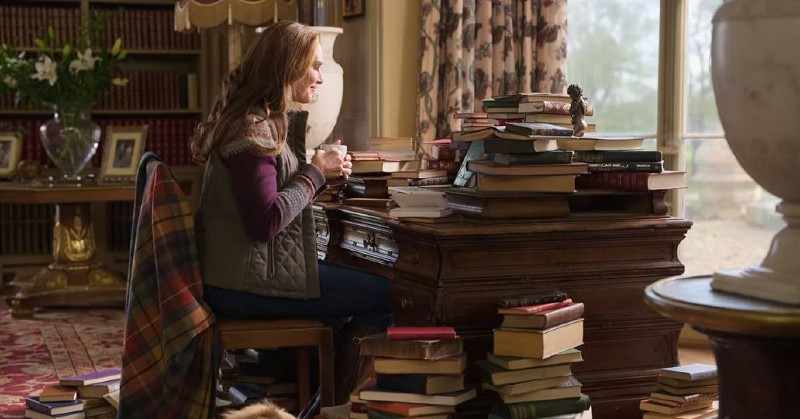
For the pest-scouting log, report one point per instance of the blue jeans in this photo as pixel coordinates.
(345, 291)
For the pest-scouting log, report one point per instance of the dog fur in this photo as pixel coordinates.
(261, 410)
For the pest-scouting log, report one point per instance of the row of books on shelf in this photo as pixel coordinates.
(145, 90)
(92, 395)
(167, 137)
(140, 28)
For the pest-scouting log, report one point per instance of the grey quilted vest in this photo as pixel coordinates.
(285, 266)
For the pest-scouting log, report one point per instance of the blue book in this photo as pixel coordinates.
(92, 378)
(421, 383)
(53, 408)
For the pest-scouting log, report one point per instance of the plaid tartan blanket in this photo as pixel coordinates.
(169, 359)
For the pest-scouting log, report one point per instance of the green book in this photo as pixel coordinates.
(544, 157)
(541, 409)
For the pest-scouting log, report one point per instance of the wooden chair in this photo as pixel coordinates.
(287, 333)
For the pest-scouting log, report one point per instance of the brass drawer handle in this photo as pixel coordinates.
(371, 242)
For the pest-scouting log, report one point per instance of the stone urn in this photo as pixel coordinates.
(756, 74)
(324, 111)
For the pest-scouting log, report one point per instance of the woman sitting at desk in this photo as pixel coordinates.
(255, 226)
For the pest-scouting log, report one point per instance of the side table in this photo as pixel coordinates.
(74, 277)
(756, 344)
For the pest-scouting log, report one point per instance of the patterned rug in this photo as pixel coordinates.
(57, 343)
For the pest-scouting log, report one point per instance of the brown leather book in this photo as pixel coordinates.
(544, 319)
(377, 345)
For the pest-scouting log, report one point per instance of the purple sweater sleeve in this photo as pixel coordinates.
(265, 210)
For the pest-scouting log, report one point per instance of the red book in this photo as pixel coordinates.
(539, 308)
(420, 333)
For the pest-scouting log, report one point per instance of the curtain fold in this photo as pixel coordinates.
(476, 49)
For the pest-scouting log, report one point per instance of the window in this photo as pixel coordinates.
(613, 54)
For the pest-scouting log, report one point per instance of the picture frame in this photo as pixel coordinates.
(352, 8)
(122, 151)
(10, 152)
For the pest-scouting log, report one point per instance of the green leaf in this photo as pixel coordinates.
(122, 55)
(66, 50)
(39, 43)
(51, 33)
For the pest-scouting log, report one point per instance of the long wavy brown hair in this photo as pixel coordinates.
(261, 85)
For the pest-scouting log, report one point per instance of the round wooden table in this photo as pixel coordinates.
(756, 344)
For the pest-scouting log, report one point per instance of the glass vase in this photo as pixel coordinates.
(70, 138)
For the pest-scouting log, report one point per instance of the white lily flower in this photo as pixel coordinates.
(46, 70)
(10, 82)
(85, 61)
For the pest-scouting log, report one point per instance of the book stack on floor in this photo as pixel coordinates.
(530, 367)
(416, 202)
(252, 375)
(419, 373)
(684, 392)
(92, 395)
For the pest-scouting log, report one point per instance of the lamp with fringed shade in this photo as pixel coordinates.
(191, 14)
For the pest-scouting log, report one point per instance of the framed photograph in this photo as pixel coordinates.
(10, 152)
(352, 8)
(123, 149)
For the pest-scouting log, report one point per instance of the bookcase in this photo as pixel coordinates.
(167, 74)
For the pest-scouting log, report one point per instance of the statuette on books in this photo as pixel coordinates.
(577, 109)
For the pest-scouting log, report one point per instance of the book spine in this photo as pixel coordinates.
(539, 308)
(650, 167)
(419, 333)
(625, 181)
(552, 130)
(592, 156)
(550, 296)
(562, 315)
(546, 157)
(548, 408)
(407, 383)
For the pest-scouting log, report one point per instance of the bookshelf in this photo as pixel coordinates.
(167, 73)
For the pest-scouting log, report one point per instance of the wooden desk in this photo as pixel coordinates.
(755, 342)
(452, 274)
(74, 277)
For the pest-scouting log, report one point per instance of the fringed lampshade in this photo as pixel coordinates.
(194, 14)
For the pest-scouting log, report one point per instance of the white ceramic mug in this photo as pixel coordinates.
(341, 148)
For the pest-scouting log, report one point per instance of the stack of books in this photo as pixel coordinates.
(530, 367)
(439, 154)
(418, 202)
(93, 395)
(620, 163)
(684, 392)
(251, 375)
(385, 155)
(419, 373)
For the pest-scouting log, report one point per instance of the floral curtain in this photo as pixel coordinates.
(476, 49)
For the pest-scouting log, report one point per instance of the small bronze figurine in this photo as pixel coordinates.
(577, 109)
